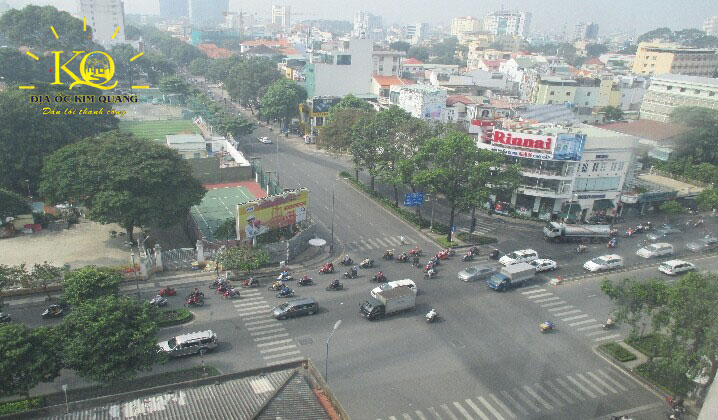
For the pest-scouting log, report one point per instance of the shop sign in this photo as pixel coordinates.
(589, 196)
(522, 145)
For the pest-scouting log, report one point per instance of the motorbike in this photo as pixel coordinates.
(630, 232)
(430, 274)
(350, 274)
(168, 291)
(367, 263)
(230, 294)
(435, 261)
(277, 285)
(612, 243)
(347, 261)
(415, 252)
(53, 311)
(547, 326)
(199, 295)
(285, 293)
(216, 283)
(581, 249)
(222, 288)
(402, 258)
(306, 281)
(158, 301)
(495, 254)
(467, 257)
(194, 301)
(5, 317)
(250, 282)
(474, 250)
(429, 266)
(388, 255)
(443, 255)
(608, 325)
(432, 316)
(335, 286)
(416, 262)
(285, 276)
(327, 268)
(379, 278)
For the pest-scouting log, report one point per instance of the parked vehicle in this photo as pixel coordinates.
(522, 255)
(655, 250)
(197, 342)
(604, 262)
(511, 276)
(707, 243)
(674, 267)
(476, 272)
(392, 284)
(561, 232)
(544, 264)
(296, 307)
(388, 302)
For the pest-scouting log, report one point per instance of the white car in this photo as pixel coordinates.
(264, 140)
(604, 262)
(392, 284)
(543, 264)
(655, 250)
(522, 255)
(674, 267)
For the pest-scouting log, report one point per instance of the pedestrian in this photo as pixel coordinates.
(403, 241)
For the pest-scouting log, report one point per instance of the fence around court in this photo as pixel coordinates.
(264, 179)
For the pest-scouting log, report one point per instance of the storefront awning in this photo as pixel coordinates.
(603, 204)
(568, 216)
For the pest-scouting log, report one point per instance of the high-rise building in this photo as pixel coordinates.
(508, 23)
(585, 31)
(710, 26)
(281, 15)
(104, 17)
(367, 25)
(465, 24)
(173, 9)
(653, 59)
(207, 11)
(415, 32)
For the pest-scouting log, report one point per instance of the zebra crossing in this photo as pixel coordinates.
(386, 242)
(528, 400)
(568, 314)
(269, 335)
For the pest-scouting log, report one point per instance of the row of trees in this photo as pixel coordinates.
(401, 150)
(106, 337)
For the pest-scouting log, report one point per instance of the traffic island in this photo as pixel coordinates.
(173, 317)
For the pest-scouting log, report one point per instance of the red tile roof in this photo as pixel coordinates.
(593, 62)
(493, 64)
(412, 60)
(282, 42)
(451, 100)
(391, 80)
(647, 129)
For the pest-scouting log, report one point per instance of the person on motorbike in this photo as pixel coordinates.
(609, 323)
(195, 292)
(581, 248)
(305, 278)
(354, 270)
(334, 284)
(379, 276)
(432, 314)
(284, 274)
(431, 272)
(286, 290)
(416, 260)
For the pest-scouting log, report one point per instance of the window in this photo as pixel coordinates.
(614, 165)
(711, 93)
(588, 94)
(683, 89)
(595, 167)
(697, 91)
(585, 103)
(381, 67)
(620, 166)
(551, 93)
(602, 166)
(344, 60)
(669, 87)
(568, 93)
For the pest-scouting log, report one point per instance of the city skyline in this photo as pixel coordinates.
(556, 16)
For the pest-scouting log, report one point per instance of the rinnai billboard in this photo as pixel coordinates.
(569, 146)
(523, 145)
(272, 212)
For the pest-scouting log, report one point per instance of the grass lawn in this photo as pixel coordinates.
(158, 129)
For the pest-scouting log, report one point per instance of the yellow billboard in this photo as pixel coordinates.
(271, 212)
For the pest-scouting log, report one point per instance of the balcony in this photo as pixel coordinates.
(562, 191)
(566, 174)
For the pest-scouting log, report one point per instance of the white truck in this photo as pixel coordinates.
(561, 232)
(388, 302)
(512, 276)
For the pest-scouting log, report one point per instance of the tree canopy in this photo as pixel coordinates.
(30, 27)
(123, 180)
(701, 142)
(245, 258)
(111, 338)
(282, 99)
(248, 80)
(612, 113)
(30, 356)
(595, 50)
(690, 37)
(12, 204)
(400, 46)
(89, 283)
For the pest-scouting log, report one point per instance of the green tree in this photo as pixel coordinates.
(125, 69)
(174, 85)
(419, 52)
(595, 50)
(337, 134)
(123, 180)
(89, 283)
(661, 33)
(400, 46)
(352, 102)
(30, 27)
(248, 81)
(612, 113)
(245, 258)
(671, 208)
(448, 51)
(43, 275)
(12, 204)
(454, 166)
(708, 199)
(16, 67)
(701, 142)
(10, 276)
(282, 99)
(236, 125)
(111, 338)
(227, 230)
(684, 312)
(30, 356)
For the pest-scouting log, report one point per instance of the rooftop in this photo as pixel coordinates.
(412, 60)
(647, 129)
(184, 138)
(423, 88)
(670, 184)
(687, 79)
(391, 80)
(451, 100)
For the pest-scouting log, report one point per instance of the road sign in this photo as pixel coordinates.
(413, 199)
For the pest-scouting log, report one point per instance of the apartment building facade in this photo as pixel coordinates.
(654, 59)
(672, 91)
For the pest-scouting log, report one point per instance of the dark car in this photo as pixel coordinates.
(704, 244)
(663, 231)
(476, 272)
(296, 307)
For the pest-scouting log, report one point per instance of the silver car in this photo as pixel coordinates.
(704, 244)
(476, 272)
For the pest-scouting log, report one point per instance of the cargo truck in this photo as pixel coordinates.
(388, 302)
(511, 276)
(561, 232)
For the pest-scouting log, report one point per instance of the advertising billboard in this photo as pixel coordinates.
(321, 106)
(569, 146)
(532, 146)
(272, 212)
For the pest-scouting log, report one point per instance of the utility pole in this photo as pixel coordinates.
(277, 161)
(331, 245)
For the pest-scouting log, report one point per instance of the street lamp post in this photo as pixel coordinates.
(67, 405)
(27, 182)
(431, 225)
(326, 360)
(331, 245)
(277, 161)
(134, 270)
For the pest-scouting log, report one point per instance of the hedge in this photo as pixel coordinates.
(646, 344)
(619, 352)
(472, 238)
(174, 317)
(446, 243)
(18, 406)
(674, 383)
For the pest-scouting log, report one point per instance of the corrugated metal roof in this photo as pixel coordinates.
(281, 394)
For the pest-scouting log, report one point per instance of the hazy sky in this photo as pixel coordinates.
(549, 15)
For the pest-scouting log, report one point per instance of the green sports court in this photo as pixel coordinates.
(220, 204)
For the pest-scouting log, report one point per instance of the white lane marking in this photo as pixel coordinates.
(547, 305)
(602, 382)
(463, 411)
(575, 311)
(502, 405)
(265, 315)
(581, 387)
(588, 321)
(272, 343)
(548, 394)
(267, 332)
(538, 398)
(366, 244)
(435, 413)
(263, 311)
(382, 243)
(546, 299)
(264, 327)
(558, 391)
(539, 295)
(514, 402)
(560, 308)
(244, 300)
(489, 407)
(262, 321)
(274, 356)
(272, 350)
(571, 318)
(449, 413)
(569, 389)
(406, 416)
(609, 337)
(374, 244)
(250, 305)
(279, 362)
(420, 415)
(476, 409)
(595, 333)
(253, 309)
(591, 327)
(393, 241)
(613, 381)
(526, 400)
(591, 384)
(533, 291)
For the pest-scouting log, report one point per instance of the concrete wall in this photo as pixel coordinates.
(297, 244)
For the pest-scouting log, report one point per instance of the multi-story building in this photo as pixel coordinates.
(387, 62)
(105, 17)
(567, 172)
(415, 69)
(671, 91)
(281, 15)
(508, 23)
(367, 25)
(632, 89)
(207, 11)
(421, 101)
(654, 59)
(464, 24)
(174, 9)
(710, 26)
(416, 32)
(585, 31)
(554, 90)
(344, 68)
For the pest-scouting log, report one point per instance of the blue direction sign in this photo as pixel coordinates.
(413, 199)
